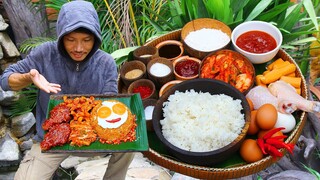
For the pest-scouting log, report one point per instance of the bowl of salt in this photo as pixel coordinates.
(148, 105)
(205, 35)
(160, 71)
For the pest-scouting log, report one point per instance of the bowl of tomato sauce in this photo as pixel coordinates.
(186, 68)
(257, 40)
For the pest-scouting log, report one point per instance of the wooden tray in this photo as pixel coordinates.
(236, 170)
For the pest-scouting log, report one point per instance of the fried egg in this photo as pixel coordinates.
(112, 114)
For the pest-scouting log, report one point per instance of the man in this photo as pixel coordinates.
(71, 65)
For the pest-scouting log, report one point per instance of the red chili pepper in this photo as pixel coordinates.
(274, 152)
(272, 132)
(113, 120)
(279, 144)
(279, 137)
(261, 145)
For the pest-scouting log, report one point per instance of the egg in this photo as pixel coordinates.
(253, 127)
(267, 116)
(112, 114)
(250, 104)
(250, 151)
(287, 121)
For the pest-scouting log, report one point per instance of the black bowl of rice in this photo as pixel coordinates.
(201, 121)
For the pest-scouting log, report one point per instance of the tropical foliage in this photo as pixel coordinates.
(127, 24)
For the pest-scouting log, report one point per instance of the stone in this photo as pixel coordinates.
(94, 169)
(22, 124)
(9, 149)
(73, 161)
(9, 47)
(26, 145)
(1, 53)
(8, 97)
(3, 24)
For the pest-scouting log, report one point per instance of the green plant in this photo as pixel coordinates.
(25, 103)
(312, 171)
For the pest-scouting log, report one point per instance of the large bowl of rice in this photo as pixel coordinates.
(201, 121)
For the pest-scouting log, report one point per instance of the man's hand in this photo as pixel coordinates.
(42, 83)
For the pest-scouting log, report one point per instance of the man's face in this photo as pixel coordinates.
(78, 45)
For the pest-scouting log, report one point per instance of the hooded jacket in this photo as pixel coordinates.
(97, 74)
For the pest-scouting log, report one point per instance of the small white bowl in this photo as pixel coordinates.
(256, 58)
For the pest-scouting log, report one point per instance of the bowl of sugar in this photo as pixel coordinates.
(148, 105)
(202, 36)
(160, 71)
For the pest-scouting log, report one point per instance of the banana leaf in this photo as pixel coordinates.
(134, 103)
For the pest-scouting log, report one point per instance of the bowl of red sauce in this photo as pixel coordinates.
(186, 68)
(257, 40)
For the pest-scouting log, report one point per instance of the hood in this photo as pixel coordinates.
(76, 14)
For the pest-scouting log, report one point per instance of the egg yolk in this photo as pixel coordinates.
(119, 109)
(104, 112)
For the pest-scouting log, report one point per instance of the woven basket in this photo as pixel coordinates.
(230, 172)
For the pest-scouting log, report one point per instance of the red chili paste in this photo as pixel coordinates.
(187, 68)
(256, 42)
(144, 91)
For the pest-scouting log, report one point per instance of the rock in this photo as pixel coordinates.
(94, 169)
(3, 24)
(22, 124)
(7, 176)
(73, 161)
(26, 145)
(8, 97)
(9, 149)
(1, 53)
(9, 48)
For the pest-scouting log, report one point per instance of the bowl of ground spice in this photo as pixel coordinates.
(202, 36)
(131, 71)
(160, 71)
(144, 87)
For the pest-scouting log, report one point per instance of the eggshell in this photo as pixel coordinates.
(287, 121)
(250, 151)
(266, 116)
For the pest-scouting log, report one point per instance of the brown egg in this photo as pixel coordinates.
(250, 151)
(250, 104)
(266, 116)
(253, 127)
(261, 133)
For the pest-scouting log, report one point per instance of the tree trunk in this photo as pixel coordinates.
(26, 21)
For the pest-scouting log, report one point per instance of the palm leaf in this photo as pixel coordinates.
(259, 8)
(31, 43)
(274, 12)
(25, 103)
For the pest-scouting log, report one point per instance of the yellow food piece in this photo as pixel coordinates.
(315, 48)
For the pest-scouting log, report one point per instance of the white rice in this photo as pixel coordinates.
(207, 39)
(201, 122)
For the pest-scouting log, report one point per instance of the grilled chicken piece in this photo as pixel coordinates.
(58, 135)
(59, 114)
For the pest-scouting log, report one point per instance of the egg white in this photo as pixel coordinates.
(103, 121)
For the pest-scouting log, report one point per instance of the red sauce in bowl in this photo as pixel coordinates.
(187, 68)
(256, 42)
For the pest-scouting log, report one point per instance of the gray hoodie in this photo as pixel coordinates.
(97, 74)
